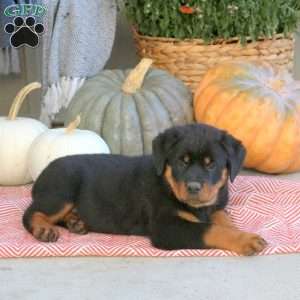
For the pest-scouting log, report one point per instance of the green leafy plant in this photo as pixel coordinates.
(211, 20)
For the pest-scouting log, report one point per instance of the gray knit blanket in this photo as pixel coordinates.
(77, 43)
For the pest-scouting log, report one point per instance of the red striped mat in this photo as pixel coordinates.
(270, 207)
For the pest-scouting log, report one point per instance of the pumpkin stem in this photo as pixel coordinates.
(277, 85)
(136, 76)
(73, 125)
(16, 105)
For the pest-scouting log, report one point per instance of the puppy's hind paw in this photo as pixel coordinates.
(75, 224)
(46, 233)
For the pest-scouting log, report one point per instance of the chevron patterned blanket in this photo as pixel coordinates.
(268, 206)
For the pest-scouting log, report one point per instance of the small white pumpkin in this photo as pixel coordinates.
(16, 136)
(60, 142)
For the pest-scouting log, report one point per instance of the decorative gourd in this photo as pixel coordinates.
(16, 136)
(258, 105)
(128, 109)
(59, 142)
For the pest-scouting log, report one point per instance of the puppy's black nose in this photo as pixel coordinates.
(194, 187)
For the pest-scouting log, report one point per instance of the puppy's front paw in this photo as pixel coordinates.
(46, 233)
(249, 244)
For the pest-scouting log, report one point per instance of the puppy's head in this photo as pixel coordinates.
(196, 161)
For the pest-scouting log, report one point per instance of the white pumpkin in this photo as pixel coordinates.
(59, 142)
(16, 136)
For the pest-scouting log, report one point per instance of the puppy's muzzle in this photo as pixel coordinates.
(193, 187)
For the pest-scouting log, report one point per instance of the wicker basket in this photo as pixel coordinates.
(189, 59)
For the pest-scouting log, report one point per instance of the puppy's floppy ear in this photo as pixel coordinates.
(236, 153)
(161, 147)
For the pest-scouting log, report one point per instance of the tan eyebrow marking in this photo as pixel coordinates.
(186, 158)
(207, 160)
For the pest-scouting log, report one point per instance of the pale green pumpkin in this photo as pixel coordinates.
(129, 108)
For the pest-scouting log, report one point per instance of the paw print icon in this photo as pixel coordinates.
(24, 32)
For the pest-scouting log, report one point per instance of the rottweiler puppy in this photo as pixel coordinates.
(176, 196)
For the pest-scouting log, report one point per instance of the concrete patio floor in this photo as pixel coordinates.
(247, 278)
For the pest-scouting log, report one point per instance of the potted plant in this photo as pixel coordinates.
(187, 37)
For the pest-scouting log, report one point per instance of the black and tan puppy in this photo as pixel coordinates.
(176, 197)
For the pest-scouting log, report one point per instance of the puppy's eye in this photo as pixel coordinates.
(211, 166)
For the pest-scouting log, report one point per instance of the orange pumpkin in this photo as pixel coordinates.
(260, 106)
